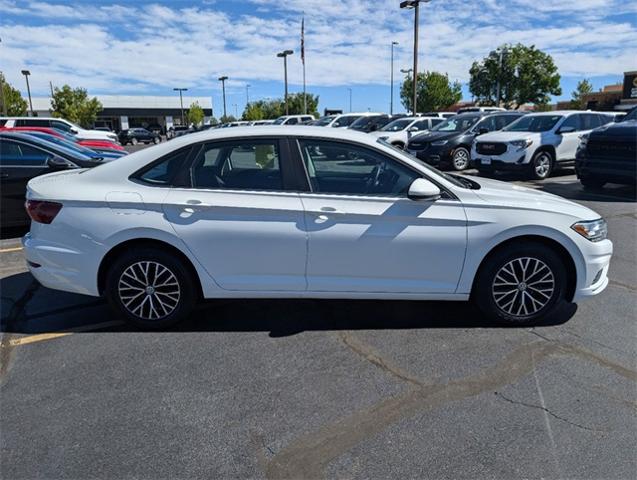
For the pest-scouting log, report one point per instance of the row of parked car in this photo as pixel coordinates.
(601, 145)
(30, 147)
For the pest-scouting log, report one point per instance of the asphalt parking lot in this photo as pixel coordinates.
(313, 389)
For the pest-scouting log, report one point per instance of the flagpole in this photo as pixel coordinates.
(303, 60)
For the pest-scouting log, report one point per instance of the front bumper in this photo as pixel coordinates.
(432, 155)
(594, 278)
(509, 160)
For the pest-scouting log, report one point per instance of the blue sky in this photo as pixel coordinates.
(149, 47)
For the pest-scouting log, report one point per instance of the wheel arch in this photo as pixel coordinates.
(125, 245)
(546, 148)
(559, 248)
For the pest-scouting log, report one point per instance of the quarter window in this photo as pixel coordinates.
(572, 121)
(350, 169)
(165, 171)
(238, 165)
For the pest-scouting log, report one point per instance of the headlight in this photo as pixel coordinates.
(593, 230)
(522, 144)
(112, 137)
(438, 143)
(383, 138)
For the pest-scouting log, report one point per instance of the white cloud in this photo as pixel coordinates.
(120, 48)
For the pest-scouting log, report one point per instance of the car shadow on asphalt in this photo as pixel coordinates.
(28, 308)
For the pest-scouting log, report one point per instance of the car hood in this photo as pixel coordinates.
(433, 136)
(505, 136)
(505, 194)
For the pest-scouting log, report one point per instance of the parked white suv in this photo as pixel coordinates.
(60, 124)
(537, 143)
(398, 132)
(293, 119)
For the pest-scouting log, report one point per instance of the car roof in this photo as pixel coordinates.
(40, 142)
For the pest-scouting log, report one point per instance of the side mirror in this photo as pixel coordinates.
(566, 130)
(483, 130)
(422, 189)
(413, 129)
(56, 162)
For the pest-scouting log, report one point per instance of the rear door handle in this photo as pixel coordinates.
(331, 210)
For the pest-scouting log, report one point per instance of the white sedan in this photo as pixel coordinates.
(305, 212)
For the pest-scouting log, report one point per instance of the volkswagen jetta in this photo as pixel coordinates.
(305, 212)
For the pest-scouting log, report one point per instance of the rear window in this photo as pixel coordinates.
(2, 122)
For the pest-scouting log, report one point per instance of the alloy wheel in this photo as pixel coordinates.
(461, 159)
(149, 290)
(542, 165)
(523, 286)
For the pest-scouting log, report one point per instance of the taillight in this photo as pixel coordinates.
(41, 211)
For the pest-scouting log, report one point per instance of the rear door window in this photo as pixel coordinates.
(19, 154)
(239, 165)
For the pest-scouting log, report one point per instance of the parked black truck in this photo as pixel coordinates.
(608, 154)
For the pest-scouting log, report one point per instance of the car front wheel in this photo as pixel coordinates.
(541, 165)
(521, 285)
(156, 140)
(134, 141)
(460, 159)
(150, 288)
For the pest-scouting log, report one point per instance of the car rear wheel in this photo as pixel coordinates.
(150, 288)
(134, 141)
(156, 140)
(460, 159)
(541, 165)
(520, 285)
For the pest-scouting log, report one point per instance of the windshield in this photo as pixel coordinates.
(361, 123)
(456, 124)
(345, 120)
(533, 123)
(279, 120)
(397, 125)
(632, 115)
(66, 143)
(323, 121)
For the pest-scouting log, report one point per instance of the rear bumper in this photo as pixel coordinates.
(59, 267)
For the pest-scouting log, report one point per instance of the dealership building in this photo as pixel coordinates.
(128, 111)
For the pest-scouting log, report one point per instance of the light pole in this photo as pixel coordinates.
(409, 4)
(284, 54)
(236, 110)
(26, 74)
(391, 98)
(223, 89)
(181, 102)
(350, 100)
(248, 93)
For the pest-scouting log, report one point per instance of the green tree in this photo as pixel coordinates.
(435, 92)
(253, 111)
(227, 119)
(195, 114)
(525, 75)
(295, 104)
(16, 106)
(584, 87)
(74, 105)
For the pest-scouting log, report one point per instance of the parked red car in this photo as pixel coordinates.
(96, 144)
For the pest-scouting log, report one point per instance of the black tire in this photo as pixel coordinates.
(492, 299)
(169, 307)
(461, 159)
(541, 165)
(156, 140)
(400, 145)
(592, 183)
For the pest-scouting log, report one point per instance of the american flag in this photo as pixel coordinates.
(303, 40)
